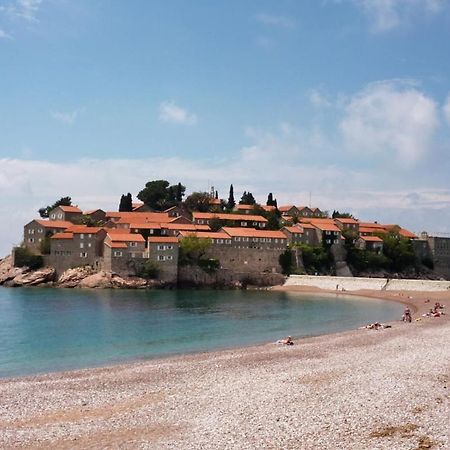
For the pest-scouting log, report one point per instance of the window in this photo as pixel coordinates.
(81, 245)
(117, 253)
(31, 231)
(243, 224)
(133, 244)
(219, 241)
(169, 247)
(89, 236)
(53, 216)
(238, 239)
(31, 240)
(245, 239)
(201, 222)
(161, 257)
(81, 236)
(89, 244)
(40, 230)
(170, 257)
(161, 247)
(60, 216)
(83, 255)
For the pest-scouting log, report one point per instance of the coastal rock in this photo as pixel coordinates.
(129, 282)
(8, 272)
(35, 278)
(100, 280)
(72, 277)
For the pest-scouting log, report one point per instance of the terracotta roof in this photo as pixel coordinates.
(157, 239)
(371, 238)
(205, 234)
(128, 217)
(315, 220)
(126, 237)
(371, 225)
(116, 244)
(73, 209)
(371, 230)
(145, 226)
(214, 201)
(401, 231)
(286, 208)
(81, 229)
(223, 216)
(185, 226)
(240, 206)
(307, 226)
(92, 211)
(294, 230)
(268, 208)
(55, 223)
(62, 235)
(117, 230)
(325, 226)
(252, 232)
(346, 220)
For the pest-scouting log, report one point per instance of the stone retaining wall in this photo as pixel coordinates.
(356, 283)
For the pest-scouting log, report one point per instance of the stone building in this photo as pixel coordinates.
(37, 230)
(68, 213)
(163, 251)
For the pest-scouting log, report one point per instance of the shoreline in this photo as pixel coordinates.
(195, 400)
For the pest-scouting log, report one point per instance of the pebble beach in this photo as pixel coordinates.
(361, 389)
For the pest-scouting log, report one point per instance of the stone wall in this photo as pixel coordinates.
(357, 283)
(195, 276)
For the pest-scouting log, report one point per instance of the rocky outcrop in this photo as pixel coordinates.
(7, 271)
(72, 277)
(35, 278)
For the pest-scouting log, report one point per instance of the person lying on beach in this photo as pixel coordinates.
(286, 341)
(376, 326)
(406, 315)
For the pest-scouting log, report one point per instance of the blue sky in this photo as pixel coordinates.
(345, 102)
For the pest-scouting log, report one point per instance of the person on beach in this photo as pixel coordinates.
(286, 341)
(407, 315)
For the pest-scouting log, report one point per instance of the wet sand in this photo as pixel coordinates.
(361, 389)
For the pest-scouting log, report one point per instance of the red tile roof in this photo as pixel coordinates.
(70, 209)
(138, 217)
(294, 230)
(55, 223)
(223, 216)
(205, 234)
(126, 237)
(371, 239)
(242, 207)
(160, 239)
(346, 220)
(326, 226)
(116, 244)
(81, 229)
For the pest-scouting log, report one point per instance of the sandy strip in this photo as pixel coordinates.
(362, 389)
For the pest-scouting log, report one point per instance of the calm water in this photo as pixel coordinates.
(44, 330)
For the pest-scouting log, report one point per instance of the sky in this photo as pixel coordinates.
(338, 104)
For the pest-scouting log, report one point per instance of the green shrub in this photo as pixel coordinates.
(24, 258)
(149, 270)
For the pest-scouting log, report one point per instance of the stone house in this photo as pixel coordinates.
(96, 215)
(327, 232)
(347, 223)
(294, 234)
(370, 243)
(37, 230)
(77, 246)
(123, 253)
(67, 213)
(163, 251)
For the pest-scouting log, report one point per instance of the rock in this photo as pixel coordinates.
(8, 272)
(35, 278)
(72, 277)
(100, 280)
(129, 282)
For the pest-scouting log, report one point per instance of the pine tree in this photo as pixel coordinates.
(231, 203)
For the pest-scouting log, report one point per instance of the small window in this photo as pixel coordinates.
(81, 236)
(83, 255)
(89, 244)
(60, 216)
(40, 230)
(117, 253)
(133, 244)
(161, 257)
(161, 247)
(31, 240)
(53, 216)
(89, 236)
(170, 257)
(81, 245)
(169, 247)
(243, 224)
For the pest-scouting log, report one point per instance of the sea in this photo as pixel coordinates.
(46, 329)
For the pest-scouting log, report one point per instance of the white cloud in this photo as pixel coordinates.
(5, 35)
(391, 117)
(67, 118)
(386, 15)
(318, 99)
(276, 21)
(447, 109)
(23, 9)
(171, 112)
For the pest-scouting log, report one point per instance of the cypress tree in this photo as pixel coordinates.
(231, 203)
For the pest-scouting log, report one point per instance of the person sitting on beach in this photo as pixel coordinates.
(286, 341)
(406, 315)
(437, 306)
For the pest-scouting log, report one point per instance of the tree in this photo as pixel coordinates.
(286, 262)
(345, 215)
(198, 201)
(126, 203)
(193, 248)
(63, 201)
(247, 199)
(271, 201)
(180, 192)
(159, 195)
(231, 203)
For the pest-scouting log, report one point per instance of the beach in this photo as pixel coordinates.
(360, 389)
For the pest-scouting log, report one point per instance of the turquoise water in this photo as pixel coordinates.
(45, 330)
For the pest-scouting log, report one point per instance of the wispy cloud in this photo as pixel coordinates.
(318, 99)
(5, 35)
(67, 118)
(386, 15)
(446, 109)
(276, 21)
(391, 117)
(23, 9)
(170, 112)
